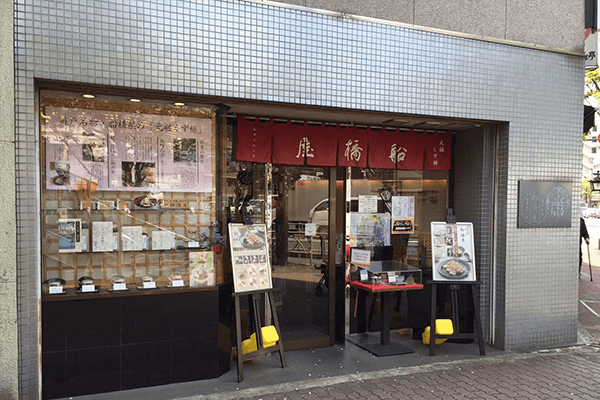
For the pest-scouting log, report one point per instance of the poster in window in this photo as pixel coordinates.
(369, 229)
(403, 214)
(76, 149)
(453, 251)
(202, 268)
(250, 257)
(69, 235)
(127, 151)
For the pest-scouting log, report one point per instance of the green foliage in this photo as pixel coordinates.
(592, 83)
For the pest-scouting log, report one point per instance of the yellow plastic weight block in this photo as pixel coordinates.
(269, 336)
(442, 327)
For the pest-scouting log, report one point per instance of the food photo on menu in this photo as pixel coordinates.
(453, 251)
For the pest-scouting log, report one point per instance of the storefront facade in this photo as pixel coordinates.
(513, 113)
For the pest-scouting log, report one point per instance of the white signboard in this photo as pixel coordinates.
(360, 257)
(367, 204)
(453, 251)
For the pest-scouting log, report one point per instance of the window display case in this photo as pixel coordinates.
(127, 192)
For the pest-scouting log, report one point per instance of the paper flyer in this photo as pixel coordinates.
(102, 236)
(69, 235)
(403, 214)
(132, 238)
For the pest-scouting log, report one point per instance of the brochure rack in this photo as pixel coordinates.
(254, 299)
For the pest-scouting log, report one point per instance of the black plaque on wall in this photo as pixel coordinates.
(545, 204)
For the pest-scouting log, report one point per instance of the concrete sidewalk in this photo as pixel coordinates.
(567, 373)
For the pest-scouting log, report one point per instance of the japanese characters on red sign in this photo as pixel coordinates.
(312, 144)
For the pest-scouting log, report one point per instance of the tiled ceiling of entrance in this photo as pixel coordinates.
(357, 117)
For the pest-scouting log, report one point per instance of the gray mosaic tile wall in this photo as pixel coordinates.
(473, 179)
(264, 52)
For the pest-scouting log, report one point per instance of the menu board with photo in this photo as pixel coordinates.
(403, 214)
(250, 257)
(453, 251)
(127, 151)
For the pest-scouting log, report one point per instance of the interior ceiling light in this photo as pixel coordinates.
(179, 104)
(135, 100)
(89, 96)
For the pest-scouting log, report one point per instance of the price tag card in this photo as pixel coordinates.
(364, 275)
(119, 286)
(149, 285)
(88, 288)
(193, 245)
(391, 278)
(177, 283)
(55, 290)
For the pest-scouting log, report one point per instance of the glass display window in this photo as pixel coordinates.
(395, 208)
(129, 191)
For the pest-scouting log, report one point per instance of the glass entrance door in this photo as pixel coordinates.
(299, 254)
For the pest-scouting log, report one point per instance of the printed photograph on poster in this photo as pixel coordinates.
(184, 151)
(403, 214)
(94, 150)
(60, 173)
(69, 235)
(138, 174)
(250, 255)
(202, 268)
(453, 251)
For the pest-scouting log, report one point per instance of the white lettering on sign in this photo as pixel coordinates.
(304, 148)
(397, 153)
(353, 150)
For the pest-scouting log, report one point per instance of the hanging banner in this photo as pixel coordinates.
(290, 144)
(310, 144)
(127, 151)
(322, 139)
(253, 140)
(353, 147)
(438, 150)
(384, 149)
(409, 151)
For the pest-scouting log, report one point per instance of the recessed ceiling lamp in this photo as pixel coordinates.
(179, 104)
(135, 100)
(89, 96)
